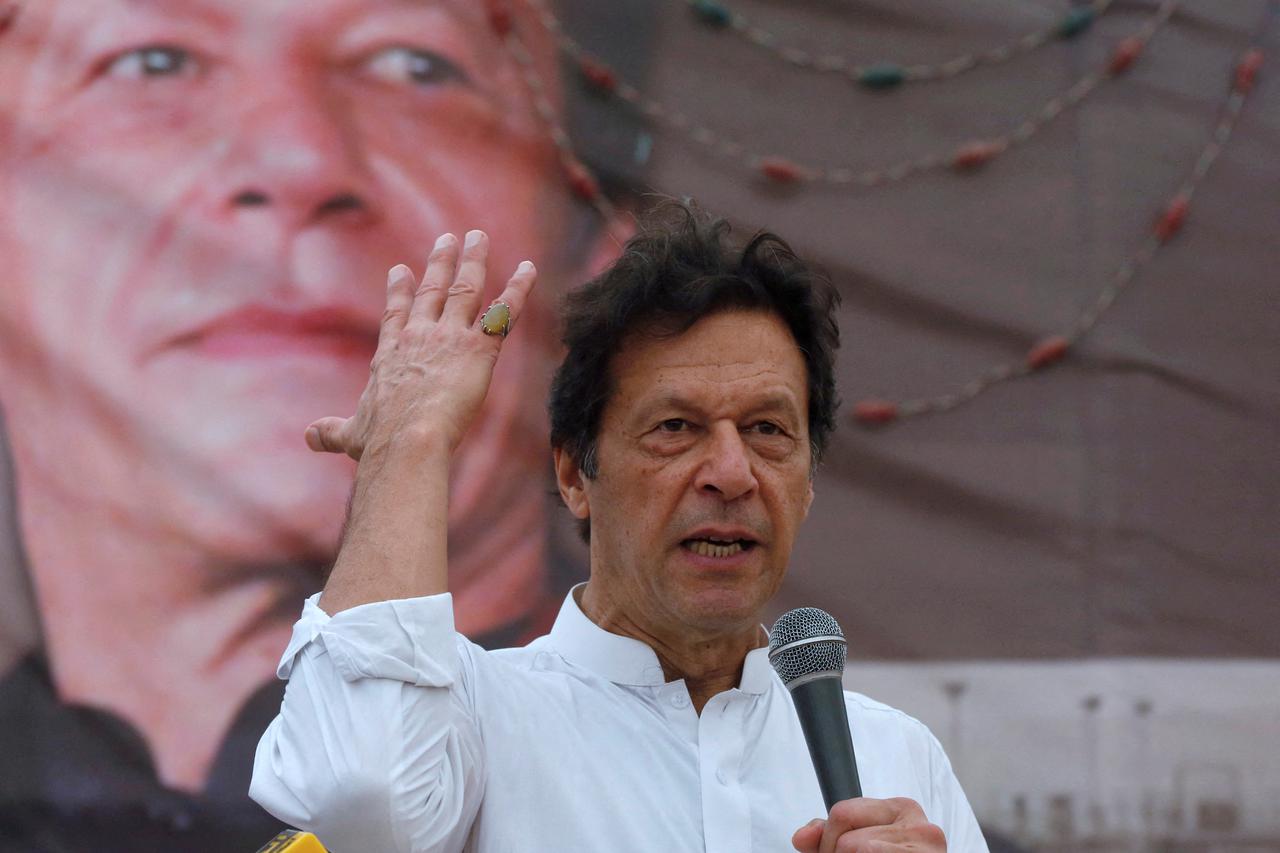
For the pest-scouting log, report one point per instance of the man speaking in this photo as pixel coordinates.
(687, 419)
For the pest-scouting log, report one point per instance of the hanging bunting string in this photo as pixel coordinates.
(890, 75)
(580, 179)
(1049, 350)
(1053, 349)
(967, 157)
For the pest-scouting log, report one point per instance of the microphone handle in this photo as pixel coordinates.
(825, 722)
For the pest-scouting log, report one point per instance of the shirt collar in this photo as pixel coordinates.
(624, 660)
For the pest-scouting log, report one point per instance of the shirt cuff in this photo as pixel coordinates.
(407, 639)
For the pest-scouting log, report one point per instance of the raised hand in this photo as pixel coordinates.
(434, 361)
(867, 824)
(430, 373)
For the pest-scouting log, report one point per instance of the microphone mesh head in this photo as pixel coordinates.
(809, 658)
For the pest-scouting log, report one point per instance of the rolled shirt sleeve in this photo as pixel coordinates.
(376, 745)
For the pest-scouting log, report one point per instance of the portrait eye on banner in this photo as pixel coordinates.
(1045, 519)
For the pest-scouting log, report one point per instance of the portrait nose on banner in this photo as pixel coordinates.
(295, 155)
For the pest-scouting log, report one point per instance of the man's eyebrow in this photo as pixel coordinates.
(665, 401)
(777, 403)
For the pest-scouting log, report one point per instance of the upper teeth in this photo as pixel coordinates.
(710, 548)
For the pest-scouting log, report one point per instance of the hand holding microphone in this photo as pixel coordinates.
(807, 649)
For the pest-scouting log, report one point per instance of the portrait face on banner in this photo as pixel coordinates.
(200, 204)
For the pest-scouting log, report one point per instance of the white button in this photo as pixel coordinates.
(679, 700)
(722, 777)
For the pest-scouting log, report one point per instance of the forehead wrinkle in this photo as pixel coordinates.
(773, 400)
(713, 373)
(721, 372)
(667, 375)
(775, 396)
(720, 354)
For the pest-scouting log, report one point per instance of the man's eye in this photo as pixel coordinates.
(768, 428)
(410, 65)
(155, 61)
(673, 425)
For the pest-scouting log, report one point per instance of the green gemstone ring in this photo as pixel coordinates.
(497, 320)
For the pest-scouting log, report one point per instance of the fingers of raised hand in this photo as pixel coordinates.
(442, 265)
(333, 435)
(399, 302)
(515, 294)
(468, 284)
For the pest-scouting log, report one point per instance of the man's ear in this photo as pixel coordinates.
(808, 498)
(571, 483)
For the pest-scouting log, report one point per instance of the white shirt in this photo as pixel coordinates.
(398, 734)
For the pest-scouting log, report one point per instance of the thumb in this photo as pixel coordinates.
(809, 836)
(327, 435)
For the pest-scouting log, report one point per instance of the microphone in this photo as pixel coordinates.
(807, 648)
(293, 841)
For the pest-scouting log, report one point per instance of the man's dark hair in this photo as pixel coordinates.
(679, 268)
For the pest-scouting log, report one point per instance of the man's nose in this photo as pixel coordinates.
(295, 153)
(726, 470)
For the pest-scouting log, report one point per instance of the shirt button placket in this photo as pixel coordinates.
(726, 812)
(674, 703)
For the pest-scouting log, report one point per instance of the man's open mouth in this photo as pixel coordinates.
(718, 547)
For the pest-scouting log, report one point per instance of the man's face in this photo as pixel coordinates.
(704, 473)
(200, 202)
